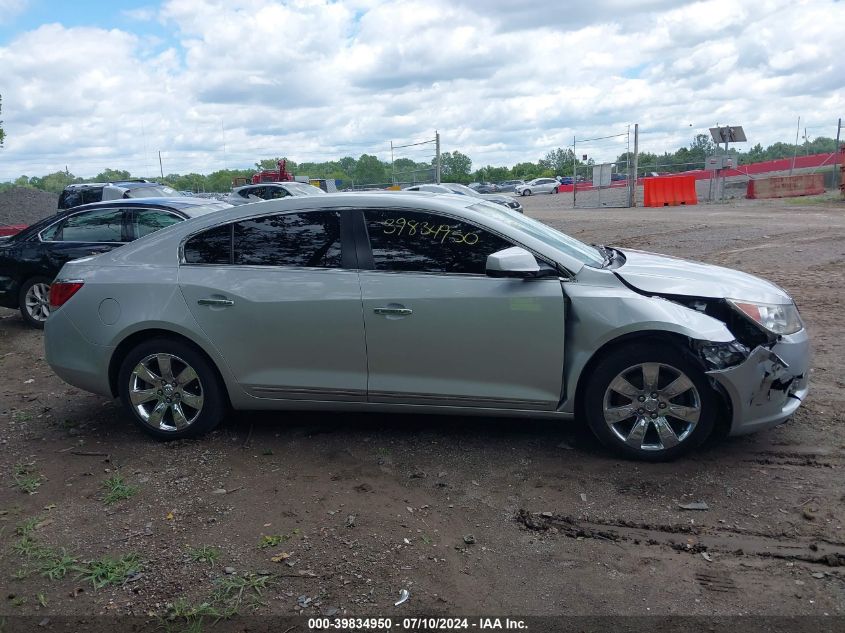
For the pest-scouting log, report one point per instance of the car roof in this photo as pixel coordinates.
(115, 183)
(159, 246)
(281, 183)
(180, 203)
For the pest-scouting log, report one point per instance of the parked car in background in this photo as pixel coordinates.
(617, 177)
(88, 192)
(565, 180)
(30, 259)
(462, 190)
(538, 185)
(484, 187)
(509, 185)
(438, 304)
(271, 191)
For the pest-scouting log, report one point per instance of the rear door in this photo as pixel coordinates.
(441, 332)
(279, 297)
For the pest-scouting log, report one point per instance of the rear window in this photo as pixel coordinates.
(156, 191)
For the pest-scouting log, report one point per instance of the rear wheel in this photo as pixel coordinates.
(34, 301)
(649, 402)
(171, 390)
(555, 190)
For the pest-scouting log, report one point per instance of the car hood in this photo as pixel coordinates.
(650, 272)
(496, 197)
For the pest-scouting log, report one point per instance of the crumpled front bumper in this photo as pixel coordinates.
(767, 388)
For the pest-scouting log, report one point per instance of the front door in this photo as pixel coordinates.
(80, 235)
(440, 332)
(279, 297)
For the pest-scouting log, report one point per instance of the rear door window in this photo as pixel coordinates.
(213, 246)
(146, 221)
(309, 239)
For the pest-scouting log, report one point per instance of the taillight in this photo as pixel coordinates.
(61, 291)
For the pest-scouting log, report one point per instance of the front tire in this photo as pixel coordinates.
(526, 192)
(34, 301)
(171, 390)
(649, 402)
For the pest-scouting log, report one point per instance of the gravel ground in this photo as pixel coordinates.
(337, 513)
(24, 205)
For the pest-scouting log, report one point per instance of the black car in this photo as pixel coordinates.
(31, 259)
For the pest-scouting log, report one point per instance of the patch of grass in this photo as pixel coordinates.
(267, 451)
(21, 416)
(55, 564)
(274, 540)
(186, 617)
(117, 489)
(204, 554)
(18, 601)
(20, 574)
(108, 571)
(42, 599)
(27, 479)
(27, 527)
(233, 591)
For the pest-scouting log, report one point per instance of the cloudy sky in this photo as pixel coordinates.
(212, 83)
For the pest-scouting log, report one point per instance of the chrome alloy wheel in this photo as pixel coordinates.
(165, 392)
(652, 406)
(37, 302)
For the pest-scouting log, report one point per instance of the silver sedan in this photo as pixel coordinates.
(415, 302)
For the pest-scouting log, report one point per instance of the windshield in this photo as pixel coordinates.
(462, 189)
(156, 191)
(582, 252)
(303, 189)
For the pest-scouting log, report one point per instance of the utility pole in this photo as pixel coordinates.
(574, 172)
(160, 166)
(223, 136)
(636, 165)
(836, 155)
(392, 167)
(797, 132)
(437, 146)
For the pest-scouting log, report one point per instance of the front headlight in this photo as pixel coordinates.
(777, 318)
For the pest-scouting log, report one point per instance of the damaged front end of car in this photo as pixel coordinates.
(763, 372)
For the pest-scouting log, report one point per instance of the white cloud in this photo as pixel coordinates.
(503, 81)
(11, 8)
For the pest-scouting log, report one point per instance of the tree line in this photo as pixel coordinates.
(369, 170)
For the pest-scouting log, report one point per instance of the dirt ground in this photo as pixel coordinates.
(335, 514)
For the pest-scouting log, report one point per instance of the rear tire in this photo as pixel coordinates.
(555, 190)
(34, 301)
(649, 402)
(171, 390)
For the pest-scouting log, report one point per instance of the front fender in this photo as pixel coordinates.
(599, 315)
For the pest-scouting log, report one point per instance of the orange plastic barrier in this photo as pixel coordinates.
(786, 186)
(669, 191)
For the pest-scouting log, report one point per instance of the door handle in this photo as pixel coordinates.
(216, 302)
(393, 311)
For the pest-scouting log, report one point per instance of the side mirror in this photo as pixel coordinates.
(516, 262)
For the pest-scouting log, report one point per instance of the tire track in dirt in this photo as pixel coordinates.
(689, 539)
